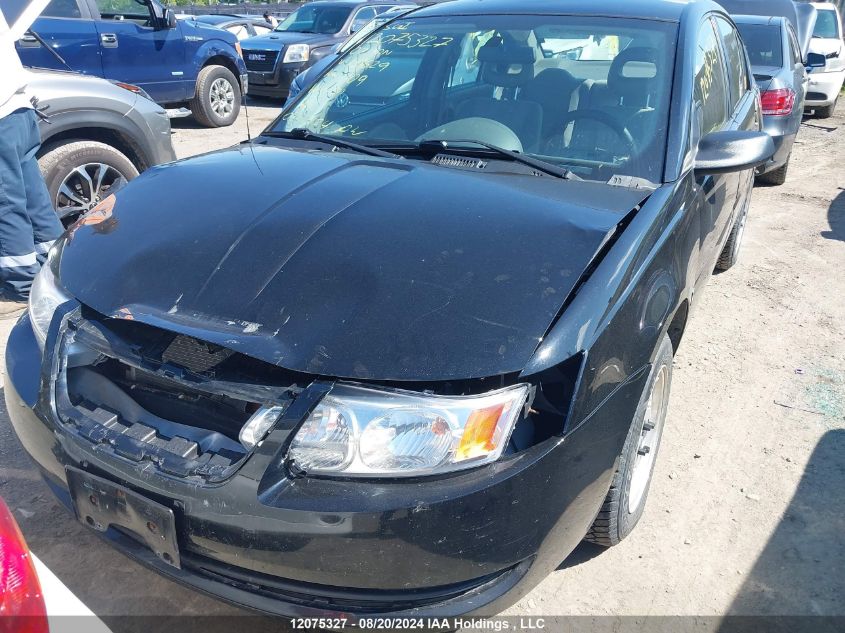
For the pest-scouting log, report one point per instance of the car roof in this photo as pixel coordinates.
(759, 19)
(216, 19)
(663, 10)
(348, 3)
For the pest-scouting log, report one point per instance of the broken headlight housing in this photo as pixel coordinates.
(46, 294)
(362, 432)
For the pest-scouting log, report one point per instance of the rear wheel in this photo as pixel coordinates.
(217, 102)
(776, 177)
(626, 498)
(81, 173)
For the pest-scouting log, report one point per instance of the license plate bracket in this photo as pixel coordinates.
(100, 503)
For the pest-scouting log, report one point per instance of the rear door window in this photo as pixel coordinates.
(62, 9)
(794, 48)
(735, 57)
(711, 85)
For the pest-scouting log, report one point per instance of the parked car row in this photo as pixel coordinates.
(176, 62)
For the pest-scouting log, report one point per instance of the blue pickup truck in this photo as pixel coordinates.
(141, 42)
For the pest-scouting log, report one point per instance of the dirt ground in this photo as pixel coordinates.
(747, 508)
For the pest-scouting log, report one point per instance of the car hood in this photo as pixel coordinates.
(277, 40)
(341, 265)
(825, 46)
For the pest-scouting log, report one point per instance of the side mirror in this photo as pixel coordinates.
(169, 20)
(731, 151)
(816, 60)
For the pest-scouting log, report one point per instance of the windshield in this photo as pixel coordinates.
(827, 26)
(325, 19)
(764, 44)
(590, 94)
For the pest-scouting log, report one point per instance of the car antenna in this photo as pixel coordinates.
(53, 52)
(246, 112)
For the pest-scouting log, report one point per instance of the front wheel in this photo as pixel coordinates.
(79, 174)
(626, 498)
(217, 102)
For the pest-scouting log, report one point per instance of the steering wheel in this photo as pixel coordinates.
(605, 119)
(477, 128)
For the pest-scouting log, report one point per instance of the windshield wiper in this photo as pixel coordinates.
(306, 135)
(517, 157)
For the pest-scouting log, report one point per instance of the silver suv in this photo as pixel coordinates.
(96, 136)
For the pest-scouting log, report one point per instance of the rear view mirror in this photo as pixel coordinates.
(169, 19)
(816, 60)
(733, 150)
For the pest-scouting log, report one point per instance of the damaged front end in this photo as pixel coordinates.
(187, 408)
(151, 449)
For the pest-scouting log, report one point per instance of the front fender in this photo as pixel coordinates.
(216, 48)
(621, 313)
(100, 120)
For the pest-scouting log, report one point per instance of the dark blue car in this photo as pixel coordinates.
(140, 42)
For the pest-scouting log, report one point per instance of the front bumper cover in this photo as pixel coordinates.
(824, 88)
(471, 543)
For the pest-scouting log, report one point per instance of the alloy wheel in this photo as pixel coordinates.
(84, 187)
(222, 97)
(649, 439)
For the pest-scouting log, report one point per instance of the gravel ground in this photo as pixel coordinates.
(746, 513)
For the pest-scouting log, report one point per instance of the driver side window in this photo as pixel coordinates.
(711, 86)
(124, 10)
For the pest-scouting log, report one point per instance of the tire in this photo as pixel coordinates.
(730, 253)
(65, 164)
(776, 177)
(628, 492)
(827, 111)
(217, 102)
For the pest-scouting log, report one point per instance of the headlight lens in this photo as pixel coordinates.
(296, 53)
(45, 295)
(357, 431)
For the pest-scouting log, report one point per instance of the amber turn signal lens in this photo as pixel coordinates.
(479, 435)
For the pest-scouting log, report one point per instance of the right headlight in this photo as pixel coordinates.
(46, 294)
(296, 53)
(362, 432)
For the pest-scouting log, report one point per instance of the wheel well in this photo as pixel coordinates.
(678, 325)
(222, 60)
(102, 135)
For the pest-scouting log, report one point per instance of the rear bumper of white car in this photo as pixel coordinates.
(824, 88)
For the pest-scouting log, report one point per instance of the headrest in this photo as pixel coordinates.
(506, 64)
(634, 73)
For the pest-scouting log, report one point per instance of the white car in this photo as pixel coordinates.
(826, 82)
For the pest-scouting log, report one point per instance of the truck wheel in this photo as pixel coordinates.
(218, 98)
(730, 254)
(626, 499)
(776, 177)
(81, 173)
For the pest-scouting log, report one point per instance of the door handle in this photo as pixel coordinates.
(108, 40)
(29, 41)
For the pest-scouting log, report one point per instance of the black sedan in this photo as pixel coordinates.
(430, 349)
